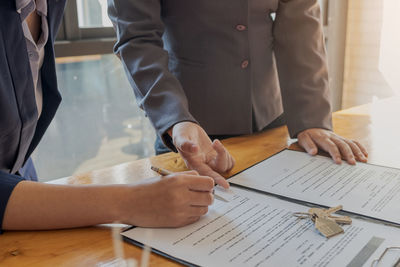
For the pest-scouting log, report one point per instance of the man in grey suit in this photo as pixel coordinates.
(203, 68)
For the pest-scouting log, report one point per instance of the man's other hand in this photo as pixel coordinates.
(200, 154)
(338, 147)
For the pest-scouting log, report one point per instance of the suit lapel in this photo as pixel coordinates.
(51, 95)
(17, 58)
(21, 75)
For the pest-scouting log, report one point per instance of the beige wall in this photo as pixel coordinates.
(362, 79)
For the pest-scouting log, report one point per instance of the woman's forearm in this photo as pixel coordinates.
(36, 206)
(172, 201)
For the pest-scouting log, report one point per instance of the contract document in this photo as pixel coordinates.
(364, 189)
(254, 229)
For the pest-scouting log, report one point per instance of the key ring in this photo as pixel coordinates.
(302, 215)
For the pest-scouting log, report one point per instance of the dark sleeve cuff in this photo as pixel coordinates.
(299, 125)
(167, 140)
(7, 185)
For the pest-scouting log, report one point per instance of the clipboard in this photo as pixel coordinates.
(288, 199)
(314, 204)
(156, 251)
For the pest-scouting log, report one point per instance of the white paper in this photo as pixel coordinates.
(254, 229)
(363, 189)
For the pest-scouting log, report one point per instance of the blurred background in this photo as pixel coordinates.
(99, 123)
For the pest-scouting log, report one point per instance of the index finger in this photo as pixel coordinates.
(204, 169)
(217, 178)
(200, 183)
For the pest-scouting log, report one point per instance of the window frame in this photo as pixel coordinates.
(335, 27)
(75, 41)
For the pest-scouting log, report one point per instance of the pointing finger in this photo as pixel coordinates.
(200, 183)
(222, 161)
(217, 178)
(191, 172)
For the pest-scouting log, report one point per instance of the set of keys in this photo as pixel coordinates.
(324, 221)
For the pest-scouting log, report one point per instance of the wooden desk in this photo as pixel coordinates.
(376, 125)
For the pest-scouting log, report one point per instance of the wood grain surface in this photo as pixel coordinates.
(375, 125)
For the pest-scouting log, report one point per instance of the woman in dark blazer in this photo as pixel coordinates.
(24, 205)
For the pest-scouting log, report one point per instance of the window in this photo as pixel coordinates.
(98, 123)
(86, 29)
(372, 56)
(92, 14)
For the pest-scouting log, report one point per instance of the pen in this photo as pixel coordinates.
(161, 171)
(165, 172)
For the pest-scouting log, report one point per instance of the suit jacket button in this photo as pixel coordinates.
(240, 27)
(245, 64)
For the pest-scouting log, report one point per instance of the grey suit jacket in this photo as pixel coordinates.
(227, 65)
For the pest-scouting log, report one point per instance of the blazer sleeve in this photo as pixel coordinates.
(7, 184)
(300, 53)
(139, 29)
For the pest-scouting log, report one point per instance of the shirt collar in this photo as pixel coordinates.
(22, 4)
(41, 6)
(25, 7)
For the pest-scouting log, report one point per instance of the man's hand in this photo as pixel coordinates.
(172, 201)
(200, 154)
(338, 147)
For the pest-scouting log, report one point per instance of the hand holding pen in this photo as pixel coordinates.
(164, 172)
